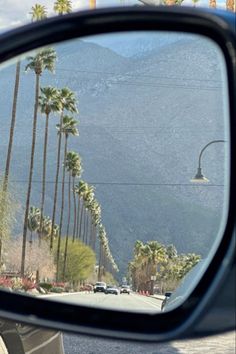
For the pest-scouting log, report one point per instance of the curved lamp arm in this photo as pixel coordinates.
(199, 177)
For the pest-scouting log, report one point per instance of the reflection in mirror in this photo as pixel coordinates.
(101, 138)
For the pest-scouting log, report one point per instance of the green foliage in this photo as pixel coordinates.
(46, 286)
(57, 289)
(8, 209)
(80, 264)
(153, 258)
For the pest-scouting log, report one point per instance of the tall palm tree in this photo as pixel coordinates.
(48, 103)
(79, 189)
(62, 7)
(43, 60)
(75, 167)
(38, 12)
(68, 103)
(67, 128)
(72, 166)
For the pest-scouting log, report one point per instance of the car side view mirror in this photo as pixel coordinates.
(117, 172)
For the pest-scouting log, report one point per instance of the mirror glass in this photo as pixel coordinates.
(114, 158)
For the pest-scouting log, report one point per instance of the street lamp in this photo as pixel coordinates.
(199, 177)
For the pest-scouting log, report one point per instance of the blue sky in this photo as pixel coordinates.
(16, 12)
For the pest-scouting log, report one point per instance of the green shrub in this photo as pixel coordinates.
(56, 289)
(46, 286)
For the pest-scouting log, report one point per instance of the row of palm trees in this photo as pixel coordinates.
(229, 4)
(50, 100)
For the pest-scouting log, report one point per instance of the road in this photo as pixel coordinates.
(76, 344)
(132, 302)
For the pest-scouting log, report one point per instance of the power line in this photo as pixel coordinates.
(129, 183)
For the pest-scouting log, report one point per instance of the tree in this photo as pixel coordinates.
(144, 264)
(38, 12)
(67, 128)
(62, 7)
(72, 165)
(231, 5)
(48, 103)
(43, 60)
(80, 262)
(212, 3)
(67, 102)
(33, 221)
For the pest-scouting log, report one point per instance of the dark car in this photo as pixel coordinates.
(99, 287)
(125, 289)
(111, 290)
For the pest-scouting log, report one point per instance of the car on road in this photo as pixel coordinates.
(100, 286)
(125, 289)
(111, 289)
(167, 296)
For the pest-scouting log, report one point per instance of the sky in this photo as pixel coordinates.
(16, 12)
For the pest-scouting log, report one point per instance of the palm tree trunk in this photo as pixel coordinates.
(44, 173)
(56, 183)
(84, 229)
(9, 151)
(68, 228)
(75, 212)
(81, 219)
(30, 176)
(62, 207)
(12, 128)
(78, 220)
(100, 263)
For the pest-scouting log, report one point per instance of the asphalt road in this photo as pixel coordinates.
(132, 302)
(223, 344)
(78, 344)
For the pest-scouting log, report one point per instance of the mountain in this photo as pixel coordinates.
(144, 118)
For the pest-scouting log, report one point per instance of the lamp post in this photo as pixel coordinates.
(153, 278)
(199, 177)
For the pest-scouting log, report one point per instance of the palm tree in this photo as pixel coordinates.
(43, 60)
(67, 102)
(38, 12)
(212, 3)
(48, 103)
(67, 128)
(33, 221)
(79, 189)
(230, 5)
(72, 167)
(92, 4)
(62, 7)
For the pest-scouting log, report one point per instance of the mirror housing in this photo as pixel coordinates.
(187, 319)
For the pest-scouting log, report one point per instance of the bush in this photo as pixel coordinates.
(45, 286)
(56, 289)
